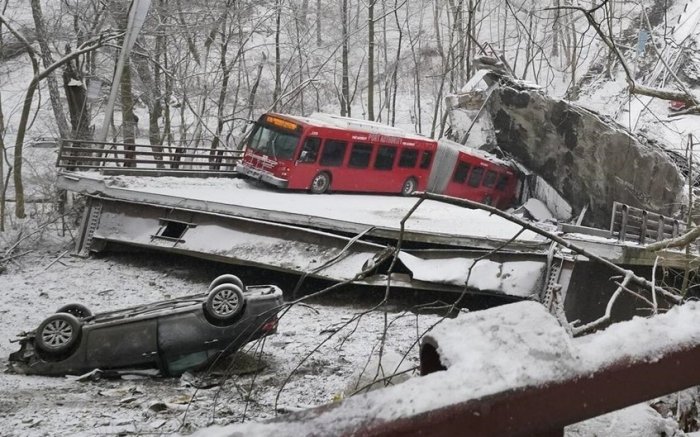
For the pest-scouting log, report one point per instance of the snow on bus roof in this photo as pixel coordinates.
(486, 156)
(372, 127)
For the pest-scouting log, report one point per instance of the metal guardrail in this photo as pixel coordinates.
(145, 159)
(642, 226)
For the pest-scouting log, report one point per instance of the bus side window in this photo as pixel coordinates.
(502, 182)
(425, 159)
(475, 177)
(408, 158)
(333, 153)
(309, 152)
(490, 179)
(360, 155)
(385, 158)
(461, 172)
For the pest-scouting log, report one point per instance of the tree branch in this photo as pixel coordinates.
(680, 241)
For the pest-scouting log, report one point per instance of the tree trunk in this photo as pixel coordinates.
(345, 87)
(162, 53)
(47, 60)
(151, 96)
(77, 103)
(129, 120)
(253, 92)
(555, 30)
(370, 61)
(319, 40)
(19, 142)
(395, 72)
(226, 71)
(278, 61)
(3, 186)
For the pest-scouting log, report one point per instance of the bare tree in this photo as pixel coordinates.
(47, 60)
(370, 59)
(634, 88)
(345, 87)
(39, 75)
(3, 157)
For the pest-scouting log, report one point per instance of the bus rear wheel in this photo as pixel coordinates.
(321, 183)
(408, 187)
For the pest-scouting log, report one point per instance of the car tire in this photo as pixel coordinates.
(409, 186)
(226, 279)
(78, 310)
(321, 183)
(224, 303)
(57, 334)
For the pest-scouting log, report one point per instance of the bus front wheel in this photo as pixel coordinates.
(408, 187)
(321, 183)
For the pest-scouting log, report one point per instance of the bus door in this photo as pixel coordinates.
(306, 164)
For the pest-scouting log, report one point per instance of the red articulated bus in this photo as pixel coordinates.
(324, 152)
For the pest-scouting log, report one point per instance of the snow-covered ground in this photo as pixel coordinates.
(42, 281)
(326, 339)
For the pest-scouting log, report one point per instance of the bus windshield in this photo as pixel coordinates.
(273, 143)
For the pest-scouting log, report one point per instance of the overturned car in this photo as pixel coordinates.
(173, 336)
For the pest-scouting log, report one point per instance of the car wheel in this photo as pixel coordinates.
(224, 303)
(58, 333)
(321, 183)
(76, 309)
(408, 187)
(226, 279)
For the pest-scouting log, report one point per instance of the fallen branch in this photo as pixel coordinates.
(664, 94)
(680, 241)
(56, 260)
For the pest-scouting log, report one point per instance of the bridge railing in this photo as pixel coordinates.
(121, 158)
(634, 224)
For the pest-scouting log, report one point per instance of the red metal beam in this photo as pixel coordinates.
(545, 410)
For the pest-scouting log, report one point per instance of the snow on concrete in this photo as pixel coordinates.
(372, 210)
(515, 278)
(538, 210)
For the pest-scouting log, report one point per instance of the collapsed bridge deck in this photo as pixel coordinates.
(340, 237)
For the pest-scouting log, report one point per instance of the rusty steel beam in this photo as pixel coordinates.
(529, 411)
(547, 409)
